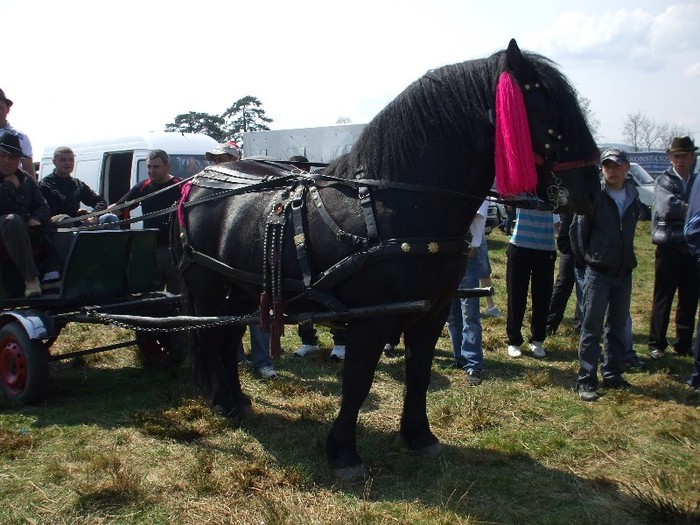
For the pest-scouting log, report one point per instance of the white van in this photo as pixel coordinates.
(645, 186)
(111, 166)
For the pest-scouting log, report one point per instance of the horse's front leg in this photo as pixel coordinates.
(363, 349)
(420, 340)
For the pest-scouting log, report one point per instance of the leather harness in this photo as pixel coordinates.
(287, 209)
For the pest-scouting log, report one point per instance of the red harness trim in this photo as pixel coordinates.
(570, 165)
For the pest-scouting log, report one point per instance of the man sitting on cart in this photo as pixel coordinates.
(22, 206)
(64, 194)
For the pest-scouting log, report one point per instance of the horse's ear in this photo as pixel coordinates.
(517, 65)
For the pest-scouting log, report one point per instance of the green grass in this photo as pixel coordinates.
(116, 444)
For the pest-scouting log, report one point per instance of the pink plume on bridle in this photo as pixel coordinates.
(515, 161)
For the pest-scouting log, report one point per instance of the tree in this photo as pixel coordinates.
(343, 120)
(194, 122)
(593, 121)
(642, 133)
(632, 129)
(246, 114)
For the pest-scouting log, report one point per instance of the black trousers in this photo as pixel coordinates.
(674, 269)
(533, 269)
(563, 286)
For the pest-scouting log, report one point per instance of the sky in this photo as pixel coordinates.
(87, 69)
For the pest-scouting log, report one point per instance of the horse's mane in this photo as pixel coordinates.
(450, 106)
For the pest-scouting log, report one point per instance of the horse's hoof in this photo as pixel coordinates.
(245, 411)
(354, 473)
(431, 450)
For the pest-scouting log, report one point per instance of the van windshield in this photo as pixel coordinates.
(640, 174)
(181, 166)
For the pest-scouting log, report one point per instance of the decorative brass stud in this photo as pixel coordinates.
(547, 146)
(433, 247)
(527, 87)
(550, 131)
(405, 247)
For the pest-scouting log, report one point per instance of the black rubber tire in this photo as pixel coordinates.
(161, 349)
(24, 365)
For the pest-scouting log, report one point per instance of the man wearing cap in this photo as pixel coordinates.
(604, 240)
(224, 152)
(25, 144)
(674, 265)
(22, 206)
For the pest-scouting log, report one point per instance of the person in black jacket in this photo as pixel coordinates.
(164, 192)
(64, 194)
(21, 207)
(674, 266)
(603, 240)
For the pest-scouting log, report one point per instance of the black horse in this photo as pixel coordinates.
(385, 223)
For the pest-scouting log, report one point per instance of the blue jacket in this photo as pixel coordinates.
(691, 229)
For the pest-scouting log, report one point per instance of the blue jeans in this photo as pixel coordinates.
(464, 323)
(259, 347)
(604, 295)
(580, 273)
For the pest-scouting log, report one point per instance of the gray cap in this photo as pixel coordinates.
(618, 156)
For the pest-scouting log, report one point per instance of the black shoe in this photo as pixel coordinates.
(655, 353)
(681, 351)
(635, 365)
(616, 384)
(587, 392)
(474, 377)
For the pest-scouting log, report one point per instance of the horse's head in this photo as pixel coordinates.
(565, 152)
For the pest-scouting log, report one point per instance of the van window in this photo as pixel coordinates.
(117, 175)
(181, 166)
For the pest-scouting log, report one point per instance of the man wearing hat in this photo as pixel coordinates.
(224, 152)
(25, 145)
(22, 206)
(603, 240)
(674, 265)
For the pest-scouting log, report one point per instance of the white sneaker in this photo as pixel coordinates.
(514, 351)
(306, 349)
(32, 288)
(338, 353)
(537, 350)
(266, 372)
(492, 312)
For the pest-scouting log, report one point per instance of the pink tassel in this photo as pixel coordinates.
(515, 161)
(184, 193)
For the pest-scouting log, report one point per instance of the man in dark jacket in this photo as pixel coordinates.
(64, 194)
(604, 239)
(21, 207)
(674, 267)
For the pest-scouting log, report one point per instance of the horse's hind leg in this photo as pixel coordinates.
(420, 340)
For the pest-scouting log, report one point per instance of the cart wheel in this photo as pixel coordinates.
(160, 350)
(24, 365)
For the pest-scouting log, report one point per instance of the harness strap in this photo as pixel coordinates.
(341, 235)
(334, 275)
(365, 196)
(297, 206)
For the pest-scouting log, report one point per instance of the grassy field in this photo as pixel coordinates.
(114, 443)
